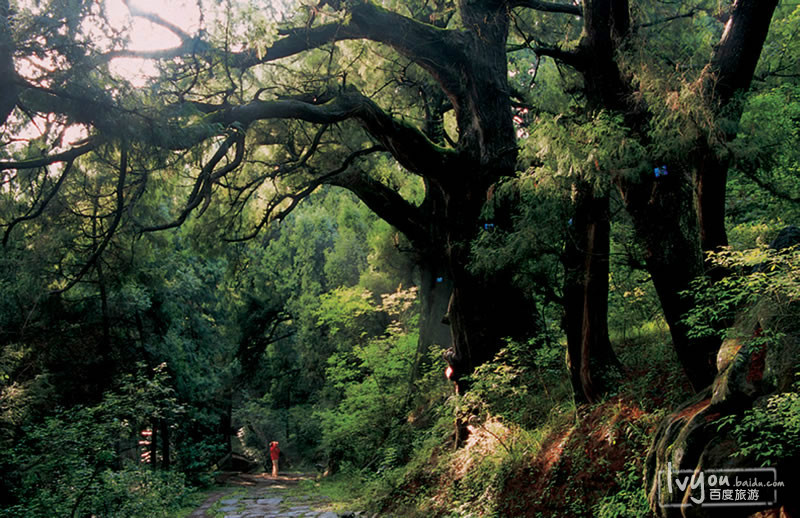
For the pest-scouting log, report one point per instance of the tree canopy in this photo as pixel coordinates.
(522, 168)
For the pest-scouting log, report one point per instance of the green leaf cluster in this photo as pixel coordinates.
(85, 460)
(762, 290)
(770, 431)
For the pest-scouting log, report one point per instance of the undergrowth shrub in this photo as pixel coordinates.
(75, 464)
(522, 384)
(763, 290)
(770, 431)
(629, 498)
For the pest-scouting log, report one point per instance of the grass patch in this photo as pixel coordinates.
(342, 491)
(654, 377)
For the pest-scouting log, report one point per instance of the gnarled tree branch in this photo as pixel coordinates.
(201, 191)
(65, 156)
(689, 14)
(409, 146)
(385, 202)
(770, 188)
(433, 48)
(568, 57)
(296, 197)
(33, 214)
(123, 171)
(549, 7)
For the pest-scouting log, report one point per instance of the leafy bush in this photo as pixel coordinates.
(761, 297)
(371, 381)
(770, 432)
(763, 288)
(523, 382)
(131, 492)
(630, 500)
(75, 463)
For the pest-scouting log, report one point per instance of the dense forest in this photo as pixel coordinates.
(507, 258)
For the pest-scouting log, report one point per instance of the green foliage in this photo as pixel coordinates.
(752, 233)
(523, 384)
(652, 388)
(371, 380)
(762, 291)
(588, 148)
(629, 500)
(129, 492)
(84, 461)
(345, 313)
(770, 431)
(633, 305)
(314, 331)
(761, 297)
(326, 341)
(763, 185)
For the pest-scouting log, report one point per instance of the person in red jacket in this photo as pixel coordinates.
(274, 454)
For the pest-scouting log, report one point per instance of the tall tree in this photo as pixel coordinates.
(8, 88)
(297, 107)
(675, 225)
(467, 62)
(590, 358)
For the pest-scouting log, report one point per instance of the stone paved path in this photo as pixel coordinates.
(259, 496)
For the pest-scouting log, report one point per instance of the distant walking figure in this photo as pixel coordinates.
(274, 454)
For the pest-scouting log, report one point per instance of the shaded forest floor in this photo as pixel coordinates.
(575, 467)
(530, 452)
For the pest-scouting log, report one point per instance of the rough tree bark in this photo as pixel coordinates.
(725, 81)
(8, 88)
(665, 221)
(434, 295)
(590, 358)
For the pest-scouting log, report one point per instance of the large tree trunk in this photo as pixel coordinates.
(483, 313)
(711, 180)
(436, 285)
(674, 227)
(470, 66)
(8, 75)
(590, 358)
(484, 310)
(434, 295)
(728, 76)
(665, 221)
